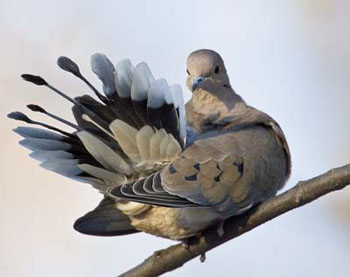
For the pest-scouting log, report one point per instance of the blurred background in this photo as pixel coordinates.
(290, 59)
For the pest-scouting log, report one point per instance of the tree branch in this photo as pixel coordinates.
(304, 192)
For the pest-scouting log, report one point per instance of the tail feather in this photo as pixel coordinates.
(103, 153)
(179, 104)
(143, 138)
(42, 155)
(141, 83)
(103, 174)
(103, 111)
(124, 74)
(44, 144)
(104, 69)
(125, 135)
(29, 132)
(104, 220)
(161, 109)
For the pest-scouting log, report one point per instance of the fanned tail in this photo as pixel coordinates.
(138, 125)
(131, 131)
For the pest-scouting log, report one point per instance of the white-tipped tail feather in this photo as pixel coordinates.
(141, 82)
(159, 94)
(104, 69)
(124, 74)
(179, 104)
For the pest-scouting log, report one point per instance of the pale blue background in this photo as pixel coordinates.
(290, 59)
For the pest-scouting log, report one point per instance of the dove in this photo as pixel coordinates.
(163, 167)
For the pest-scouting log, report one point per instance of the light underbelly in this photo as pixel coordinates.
(174, 223)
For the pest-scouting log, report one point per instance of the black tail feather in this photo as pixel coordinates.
(104, 220)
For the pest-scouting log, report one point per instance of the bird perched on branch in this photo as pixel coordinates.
(163, 167)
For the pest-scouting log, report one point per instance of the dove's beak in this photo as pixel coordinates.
(196, 82)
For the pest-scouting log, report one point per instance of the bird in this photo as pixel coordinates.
(164, 167)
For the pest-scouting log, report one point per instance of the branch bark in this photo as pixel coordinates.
(303, 193)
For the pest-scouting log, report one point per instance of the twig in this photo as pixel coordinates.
(304, 192)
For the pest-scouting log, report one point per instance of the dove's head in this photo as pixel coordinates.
(206, 69)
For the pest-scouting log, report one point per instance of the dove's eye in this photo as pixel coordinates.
(216, 70)
(187, 72)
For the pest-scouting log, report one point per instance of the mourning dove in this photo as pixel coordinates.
(160, 173)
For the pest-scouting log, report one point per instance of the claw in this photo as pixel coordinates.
(202, 258)
(220, 228)
(186, 244)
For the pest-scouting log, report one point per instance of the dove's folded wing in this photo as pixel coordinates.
(226, 171)
(209, 164)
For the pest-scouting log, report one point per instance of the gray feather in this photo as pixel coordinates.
(176, 92)
(64, 167)
(43, 155)
(44, 144)
(141, 82)
(104, 69)
(123, 78)
(30, 132)
(104, 220)
(156, 94)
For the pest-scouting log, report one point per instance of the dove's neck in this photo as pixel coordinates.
(208, 108)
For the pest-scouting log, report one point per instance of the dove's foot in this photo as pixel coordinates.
(202, 258)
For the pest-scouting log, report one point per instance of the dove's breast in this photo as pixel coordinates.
(265, 163)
